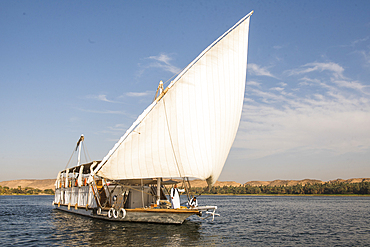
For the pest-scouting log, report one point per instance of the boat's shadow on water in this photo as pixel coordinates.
(72, 229)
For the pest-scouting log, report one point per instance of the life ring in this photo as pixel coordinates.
(115, 213)
(85, 182)
(111, 212)
(122, 213)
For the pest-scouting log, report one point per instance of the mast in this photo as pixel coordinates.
(159, 90)
(79, 144)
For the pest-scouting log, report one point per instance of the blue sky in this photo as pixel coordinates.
(91, 67)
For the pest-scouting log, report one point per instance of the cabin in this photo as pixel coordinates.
(73, 188)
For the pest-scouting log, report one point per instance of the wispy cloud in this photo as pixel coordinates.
(277, 89)
(255, 69)
(357, 41)
(139, 94)
(365, 55)
(101, 97)
(336, 69)
(162, 61)
(116, 130)
(350, 84)
(253, 83)
(328, 117)
(102, 111)
(335, 74)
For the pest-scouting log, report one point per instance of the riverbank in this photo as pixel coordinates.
(281, 195)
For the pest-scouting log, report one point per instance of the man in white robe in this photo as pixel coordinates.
(175, 197)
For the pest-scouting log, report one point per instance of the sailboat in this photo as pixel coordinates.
(187, 132)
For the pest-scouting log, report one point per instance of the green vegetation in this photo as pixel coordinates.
(336, 188)
(26, 191)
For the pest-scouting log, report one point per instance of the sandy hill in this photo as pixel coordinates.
(201, 183)
(304, 182)
(41, 184)
(282, 182)
(351, 181)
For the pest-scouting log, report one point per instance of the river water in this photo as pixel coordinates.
(244, 221)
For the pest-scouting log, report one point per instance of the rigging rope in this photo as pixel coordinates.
(69, 159)
(85, 150)
(169, 133)
(173, 150)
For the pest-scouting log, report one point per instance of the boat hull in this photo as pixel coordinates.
(144, 215)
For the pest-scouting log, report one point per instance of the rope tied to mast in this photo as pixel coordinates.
(174, 153)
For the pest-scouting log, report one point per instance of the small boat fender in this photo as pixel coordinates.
(122, 213)
(111, 212)
(115, 213)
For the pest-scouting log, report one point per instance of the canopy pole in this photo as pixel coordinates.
(142, 192)
(158, 190)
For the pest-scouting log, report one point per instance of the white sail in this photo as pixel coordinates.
(190, 130)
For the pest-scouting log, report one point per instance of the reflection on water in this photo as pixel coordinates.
(101, 232)
(244, 221)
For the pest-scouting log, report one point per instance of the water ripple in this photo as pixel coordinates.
(244, 221)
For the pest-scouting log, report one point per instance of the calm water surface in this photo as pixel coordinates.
(244, 221)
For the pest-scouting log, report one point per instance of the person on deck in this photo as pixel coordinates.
(193, 202)
(175, 197)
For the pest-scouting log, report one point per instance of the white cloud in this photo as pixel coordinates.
(253, 83)
(101, 97)
(255, 69)
(277, 89)
(366, 55)
(139, 94)
(269, 130)
(102, 111)
(336, 69)
(162, 61)
(329, 117)
(118, 127)
(336, 77)
(162, 58)
(283, 84)
(355, 42)
(349, 84)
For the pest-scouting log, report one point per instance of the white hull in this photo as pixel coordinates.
(148, 215)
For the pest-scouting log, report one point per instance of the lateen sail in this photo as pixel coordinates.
(190, 130)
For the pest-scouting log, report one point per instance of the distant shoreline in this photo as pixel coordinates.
(306, 187)
(26, 195)
(321, 195)
(268, 195)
